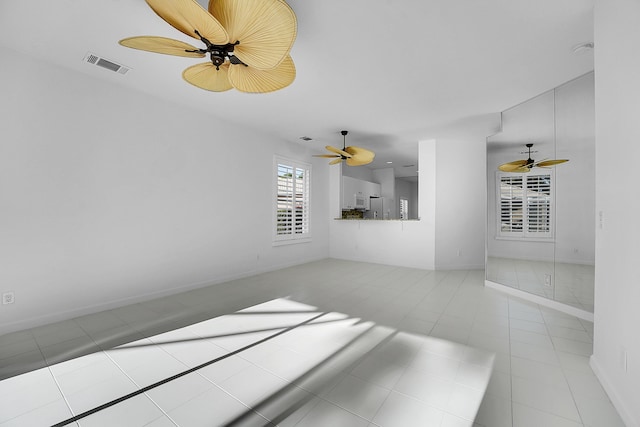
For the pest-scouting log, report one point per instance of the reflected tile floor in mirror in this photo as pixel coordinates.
(571, 284)
(326, 343)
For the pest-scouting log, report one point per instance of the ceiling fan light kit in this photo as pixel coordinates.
(525, 166)
(352, 156)
(248, 42)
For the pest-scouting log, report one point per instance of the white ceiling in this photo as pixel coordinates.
(391, 72)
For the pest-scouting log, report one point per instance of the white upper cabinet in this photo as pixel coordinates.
(356, 189)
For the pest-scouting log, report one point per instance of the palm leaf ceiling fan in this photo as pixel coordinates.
(248, 42)
(354, 156)
(524, 166)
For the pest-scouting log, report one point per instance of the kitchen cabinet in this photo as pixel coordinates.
(349, 189)
(371, 189)
(353, 188)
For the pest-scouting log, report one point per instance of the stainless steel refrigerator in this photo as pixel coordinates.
(376, 208)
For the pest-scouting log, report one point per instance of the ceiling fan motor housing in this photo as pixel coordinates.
(267, 33)
(354, 156)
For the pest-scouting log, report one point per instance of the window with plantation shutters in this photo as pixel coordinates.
(292, 200)
(511, 204)
(404, 208)
(538, 204)
(525, 205)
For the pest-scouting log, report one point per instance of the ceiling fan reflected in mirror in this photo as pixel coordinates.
(524, 166)
(248, 42)
(353, 156)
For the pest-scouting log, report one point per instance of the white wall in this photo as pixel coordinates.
(461, 200)
(452, 210)
(109, 197)
(575, 180)
(617, 317)
(566, 118)
(395, 242)
(358, 172)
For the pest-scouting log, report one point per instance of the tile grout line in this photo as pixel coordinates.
(103, 351)
(138, 385)
(510, 358)
(381, 343)
(64, 397)
(181, 374)
(460, 302)
(292, 384)
(564, 375)
(544, 321)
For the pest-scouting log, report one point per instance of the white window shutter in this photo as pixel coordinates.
(511, 204)
(525, 202)
(293, 184)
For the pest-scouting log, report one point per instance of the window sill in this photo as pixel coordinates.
(528, 239)
(376, 219)
(285, 242)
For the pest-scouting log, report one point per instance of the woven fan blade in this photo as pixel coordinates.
(248, 79)
(161, 45)
(360, 156)
(511, 166)
(327, 156)
(205, 76)
(338, 151)
(521, 169)
(188, 16)
(266, 29)
(352, 162)
(547, 163)
(336, 161)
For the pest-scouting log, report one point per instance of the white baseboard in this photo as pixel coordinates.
(58, 316)
(381, 260)
(459, 267)
(544, 259)
(568, 309)
(614, 396)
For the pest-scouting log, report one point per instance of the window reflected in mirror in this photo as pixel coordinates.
(541, 220)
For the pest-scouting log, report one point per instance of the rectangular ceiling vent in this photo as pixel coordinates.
(94, 59)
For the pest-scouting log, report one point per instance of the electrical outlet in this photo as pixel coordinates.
(459, 252)
(8, 298)
(601, 219)
(547, 280)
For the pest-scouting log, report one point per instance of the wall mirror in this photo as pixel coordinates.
(541, 224)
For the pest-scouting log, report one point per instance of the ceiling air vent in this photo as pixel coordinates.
(105, 63)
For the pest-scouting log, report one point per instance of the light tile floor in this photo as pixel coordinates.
(391, 347)
(571, 284)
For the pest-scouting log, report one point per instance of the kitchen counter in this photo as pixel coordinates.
(373, 220)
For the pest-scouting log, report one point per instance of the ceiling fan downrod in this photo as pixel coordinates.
(344, 142)
(218, 53)
(529, 163)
